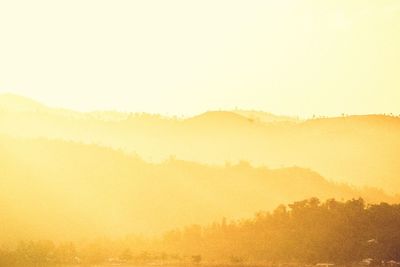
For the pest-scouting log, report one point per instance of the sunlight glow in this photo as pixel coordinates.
(184, 57)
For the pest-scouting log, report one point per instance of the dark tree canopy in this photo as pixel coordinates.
(304, 232)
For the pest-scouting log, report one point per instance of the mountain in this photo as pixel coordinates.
(362, 150)
(265, 117)
(51, 189)
(12, 102)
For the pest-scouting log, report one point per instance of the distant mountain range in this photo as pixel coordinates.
(59, 190)
(361, 150)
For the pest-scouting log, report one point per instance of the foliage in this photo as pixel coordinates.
(304, 232)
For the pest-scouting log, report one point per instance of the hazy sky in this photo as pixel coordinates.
(183, 57)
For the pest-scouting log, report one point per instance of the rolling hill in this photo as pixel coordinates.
(59, 190)
(362, 150)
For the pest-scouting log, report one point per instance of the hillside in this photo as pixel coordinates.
(362, 150)
(66, 190)
(265, 117)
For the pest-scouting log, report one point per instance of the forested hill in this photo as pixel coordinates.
(303, 232)
(361, 150)
(57, 190)
(345, 233)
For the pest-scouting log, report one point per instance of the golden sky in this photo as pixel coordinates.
(184, 57)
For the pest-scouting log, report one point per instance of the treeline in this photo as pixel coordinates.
(307, 231)
(304, 232)
(94, 253)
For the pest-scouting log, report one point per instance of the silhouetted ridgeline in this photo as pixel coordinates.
(304, 232)
(71, 176)
(64, 190)
(361, 150)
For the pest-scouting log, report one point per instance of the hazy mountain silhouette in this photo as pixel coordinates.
(362, 150)
(66, 190)
(12, 102)
(267, 117)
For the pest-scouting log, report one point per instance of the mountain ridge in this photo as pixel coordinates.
(340, 148)
(74, 190)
